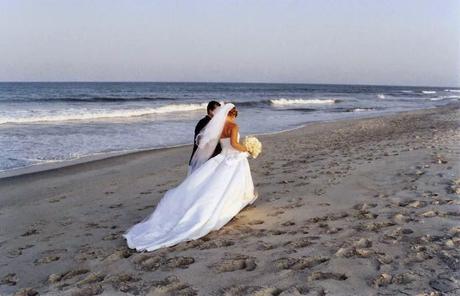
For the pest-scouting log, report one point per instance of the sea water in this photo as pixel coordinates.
(52, 122)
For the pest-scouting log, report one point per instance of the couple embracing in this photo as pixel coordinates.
(218, 186)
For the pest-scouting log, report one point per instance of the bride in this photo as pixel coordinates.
(214, 192)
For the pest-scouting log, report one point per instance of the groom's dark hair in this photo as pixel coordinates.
(212, 105)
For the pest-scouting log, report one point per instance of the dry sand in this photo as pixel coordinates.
(355, 207)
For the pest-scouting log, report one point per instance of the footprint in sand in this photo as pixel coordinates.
(324, 204)
(89, 252)
(171, 286)
(56, 278)
(450, 260)
(112, 236)
(337, 216)
(87, 291)
(30, 232)
(118, 205)
(235, 262)
(400, 218)
(124, 282)
(365, 215)
(154, 262)
(277, 232)
(299, 263)
(404, 278)
(299, 243)
(146, 207)
(66, 221)
(256, 222)
(364, 206)
(27, 292)
(57, 199)
(445, 283)
(346, 252)
(91, 278)
(333, 230)
(288, 223)
(417, 204)
(47, 259)
(178, 262)
(94, 225)
(249, 290)
(429, 214)
(382, 280)
(297, 204)
(213, 244)
(320, 276)
(316, 219)
(363, 243)
(263, 246)
(14, 253)
(373, 226)
(120, 253)
(275, 213)
(9, 279)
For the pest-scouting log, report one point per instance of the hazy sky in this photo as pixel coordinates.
(404, 42)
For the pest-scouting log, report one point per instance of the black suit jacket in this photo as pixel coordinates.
(200, 125)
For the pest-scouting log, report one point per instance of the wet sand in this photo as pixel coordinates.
(354, 207)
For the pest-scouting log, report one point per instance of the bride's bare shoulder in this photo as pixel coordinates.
(228, 129)
(231, 125)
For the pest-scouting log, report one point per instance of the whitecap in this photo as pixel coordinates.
(85, 114)
(445, 97)
(281, 102)
(362, 109)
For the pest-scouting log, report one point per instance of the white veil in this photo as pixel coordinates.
(209, 136)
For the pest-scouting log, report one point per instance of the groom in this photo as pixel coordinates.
(212, 106)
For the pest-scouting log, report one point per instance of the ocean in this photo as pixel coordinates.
(54, 122)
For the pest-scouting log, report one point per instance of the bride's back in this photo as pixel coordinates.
(227, 130)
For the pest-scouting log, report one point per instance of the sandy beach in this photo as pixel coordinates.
(352, 207)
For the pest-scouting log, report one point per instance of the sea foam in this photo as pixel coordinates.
(362, 109)
(281, 102)
(452, 97)
(85, 114)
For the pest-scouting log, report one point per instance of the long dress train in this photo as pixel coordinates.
(206, 200)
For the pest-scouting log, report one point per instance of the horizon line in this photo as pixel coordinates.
(222, 82)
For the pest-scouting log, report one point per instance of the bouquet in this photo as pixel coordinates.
(253, 145)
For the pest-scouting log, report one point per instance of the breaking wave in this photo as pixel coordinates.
(95, 99)
(453, 97)
(85, 114)
(283, 102)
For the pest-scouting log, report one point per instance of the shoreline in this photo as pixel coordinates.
(99, 156)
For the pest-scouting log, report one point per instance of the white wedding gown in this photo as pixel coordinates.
(206, 200)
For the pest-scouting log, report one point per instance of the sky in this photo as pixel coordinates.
(391, 42)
